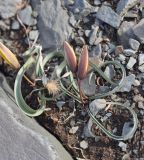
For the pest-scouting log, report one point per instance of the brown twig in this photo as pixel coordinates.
(29, 81)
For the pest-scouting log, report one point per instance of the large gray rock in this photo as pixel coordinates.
(8, 8)
(109, 16)
(139, 31)
(125, 32)
(52, 23)
(21, 138)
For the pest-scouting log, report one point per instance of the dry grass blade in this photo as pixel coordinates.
(8, 56)
(70, 57)
(83, 63)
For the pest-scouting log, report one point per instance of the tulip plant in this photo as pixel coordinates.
(74, 68)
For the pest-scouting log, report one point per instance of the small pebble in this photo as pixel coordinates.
(141, 68)
(72, 21)
(79, 41)
(73, 130)
(87, 33)
(141, 59)
(123, 146)
(140, 105)
(33, 34)
(119, 50)
(93, 35)
(134, 44)
(129, 52)
(15, 25)
(84, 144)
(97, 2)
(131, 63)
(136, 83)
(122, 57)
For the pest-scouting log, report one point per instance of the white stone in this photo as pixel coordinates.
(123, 146)
(141, 59)
(84, 144)
(73, 130)
(131, 63)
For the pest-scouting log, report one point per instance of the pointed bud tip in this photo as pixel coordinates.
(83, 63)
(70, 57)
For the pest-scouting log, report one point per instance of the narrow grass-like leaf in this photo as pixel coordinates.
(18, 95)
(8, 56)
(129, 135)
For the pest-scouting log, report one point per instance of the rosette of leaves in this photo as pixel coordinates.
(75, 68)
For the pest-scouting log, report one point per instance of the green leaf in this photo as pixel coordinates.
(18, 95)
(129, 135)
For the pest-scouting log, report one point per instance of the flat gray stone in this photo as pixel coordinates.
(8, 8)
(138, 30)
(25, 16)
(124, 5)
(21, 137)
(109, 16)
(125, 32)
(53, 23)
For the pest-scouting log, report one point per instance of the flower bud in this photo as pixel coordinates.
(8, 56)
(70, 57)
(83, 63)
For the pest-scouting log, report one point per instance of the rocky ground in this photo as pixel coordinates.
(113, 30)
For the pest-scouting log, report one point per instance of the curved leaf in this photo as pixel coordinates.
(18, 95)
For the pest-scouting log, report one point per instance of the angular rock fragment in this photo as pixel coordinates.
(53, 23)
(125, 32)
(131, 63)
(128, 82)
(138, 30)
(124, 5)
(8, 8)
(109, 16)
(25, 16)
